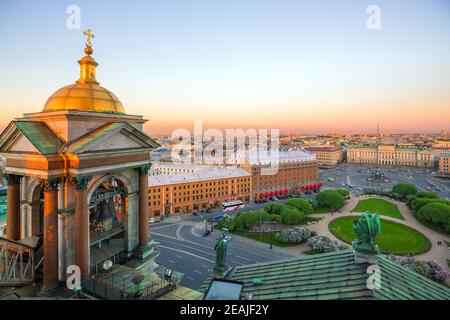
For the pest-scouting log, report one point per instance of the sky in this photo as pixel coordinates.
(298, 66)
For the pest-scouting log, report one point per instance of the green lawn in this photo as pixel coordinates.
(383, 207)
(395, 238)
(320, 210)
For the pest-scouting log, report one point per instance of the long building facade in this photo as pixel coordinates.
(391, 155)
(183, 188)
(289, 170)
(327, 155)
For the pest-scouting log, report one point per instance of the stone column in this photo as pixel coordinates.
(50, 235)
(81, 227)
(143, 206)
(13, 203)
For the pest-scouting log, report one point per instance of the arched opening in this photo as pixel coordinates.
(108, 212)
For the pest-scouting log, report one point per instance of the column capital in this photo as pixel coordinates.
(143, 171)
(50, 185)
(13, 179)
(82, 182)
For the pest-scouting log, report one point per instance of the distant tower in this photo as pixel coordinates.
(378, 134)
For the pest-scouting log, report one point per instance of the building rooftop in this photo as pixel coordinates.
(267, 157)
(323, 149)
(204, 173)
(331, 276)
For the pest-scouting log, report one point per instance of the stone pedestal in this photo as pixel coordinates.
(361, 258)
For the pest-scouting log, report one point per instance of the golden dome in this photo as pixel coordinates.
(85, 97)
(86, 94)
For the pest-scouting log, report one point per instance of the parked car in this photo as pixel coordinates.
(195, 213)
(152, 220)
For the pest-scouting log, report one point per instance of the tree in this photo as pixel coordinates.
(294, 217)
(419, 203)
(343, 192)
(285, 210)
(426, 194)
(301, 204)
(404, 189)
(273, 208)
(437, 213)
(330, 199)
(314, 203)
(275, 218)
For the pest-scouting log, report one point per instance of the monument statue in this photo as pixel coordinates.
(366, 227)
(221, 254)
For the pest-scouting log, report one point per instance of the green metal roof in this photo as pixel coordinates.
(40, 136)
(333, 276)
(103, 131)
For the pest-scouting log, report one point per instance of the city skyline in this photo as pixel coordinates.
(222, 63)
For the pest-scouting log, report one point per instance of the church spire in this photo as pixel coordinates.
(88, 64)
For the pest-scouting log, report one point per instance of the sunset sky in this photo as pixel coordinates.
(300, 66)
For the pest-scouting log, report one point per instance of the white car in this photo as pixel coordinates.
(152, 220)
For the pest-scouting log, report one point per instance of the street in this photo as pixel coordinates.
(184, 250)
(345, 175)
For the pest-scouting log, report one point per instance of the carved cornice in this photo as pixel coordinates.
(143, 171)
(12, 179)
(81, 182)
(50, 185)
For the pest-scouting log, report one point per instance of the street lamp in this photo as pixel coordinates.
(260, 224)
(270, 231)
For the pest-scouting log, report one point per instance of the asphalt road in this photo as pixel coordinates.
(355, 176)
(184, 250)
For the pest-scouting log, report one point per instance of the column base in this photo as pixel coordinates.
(44, 292)
(143, 252)
(220, 274)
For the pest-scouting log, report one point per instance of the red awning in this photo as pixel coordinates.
(261, 195)
(266, 194)
(272, 193)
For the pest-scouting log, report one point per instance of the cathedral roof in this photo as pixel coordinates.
(331, 276)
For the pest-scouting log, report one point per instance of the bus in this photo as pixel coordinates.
(233, 205)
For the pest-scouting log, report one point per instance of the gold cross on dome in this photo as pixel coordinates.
(88, 33)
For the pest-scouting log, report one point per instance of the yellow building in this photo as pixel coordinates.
(184, 188)
(391, 155)
(444, 165)
(328, 156)
(289, 170)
